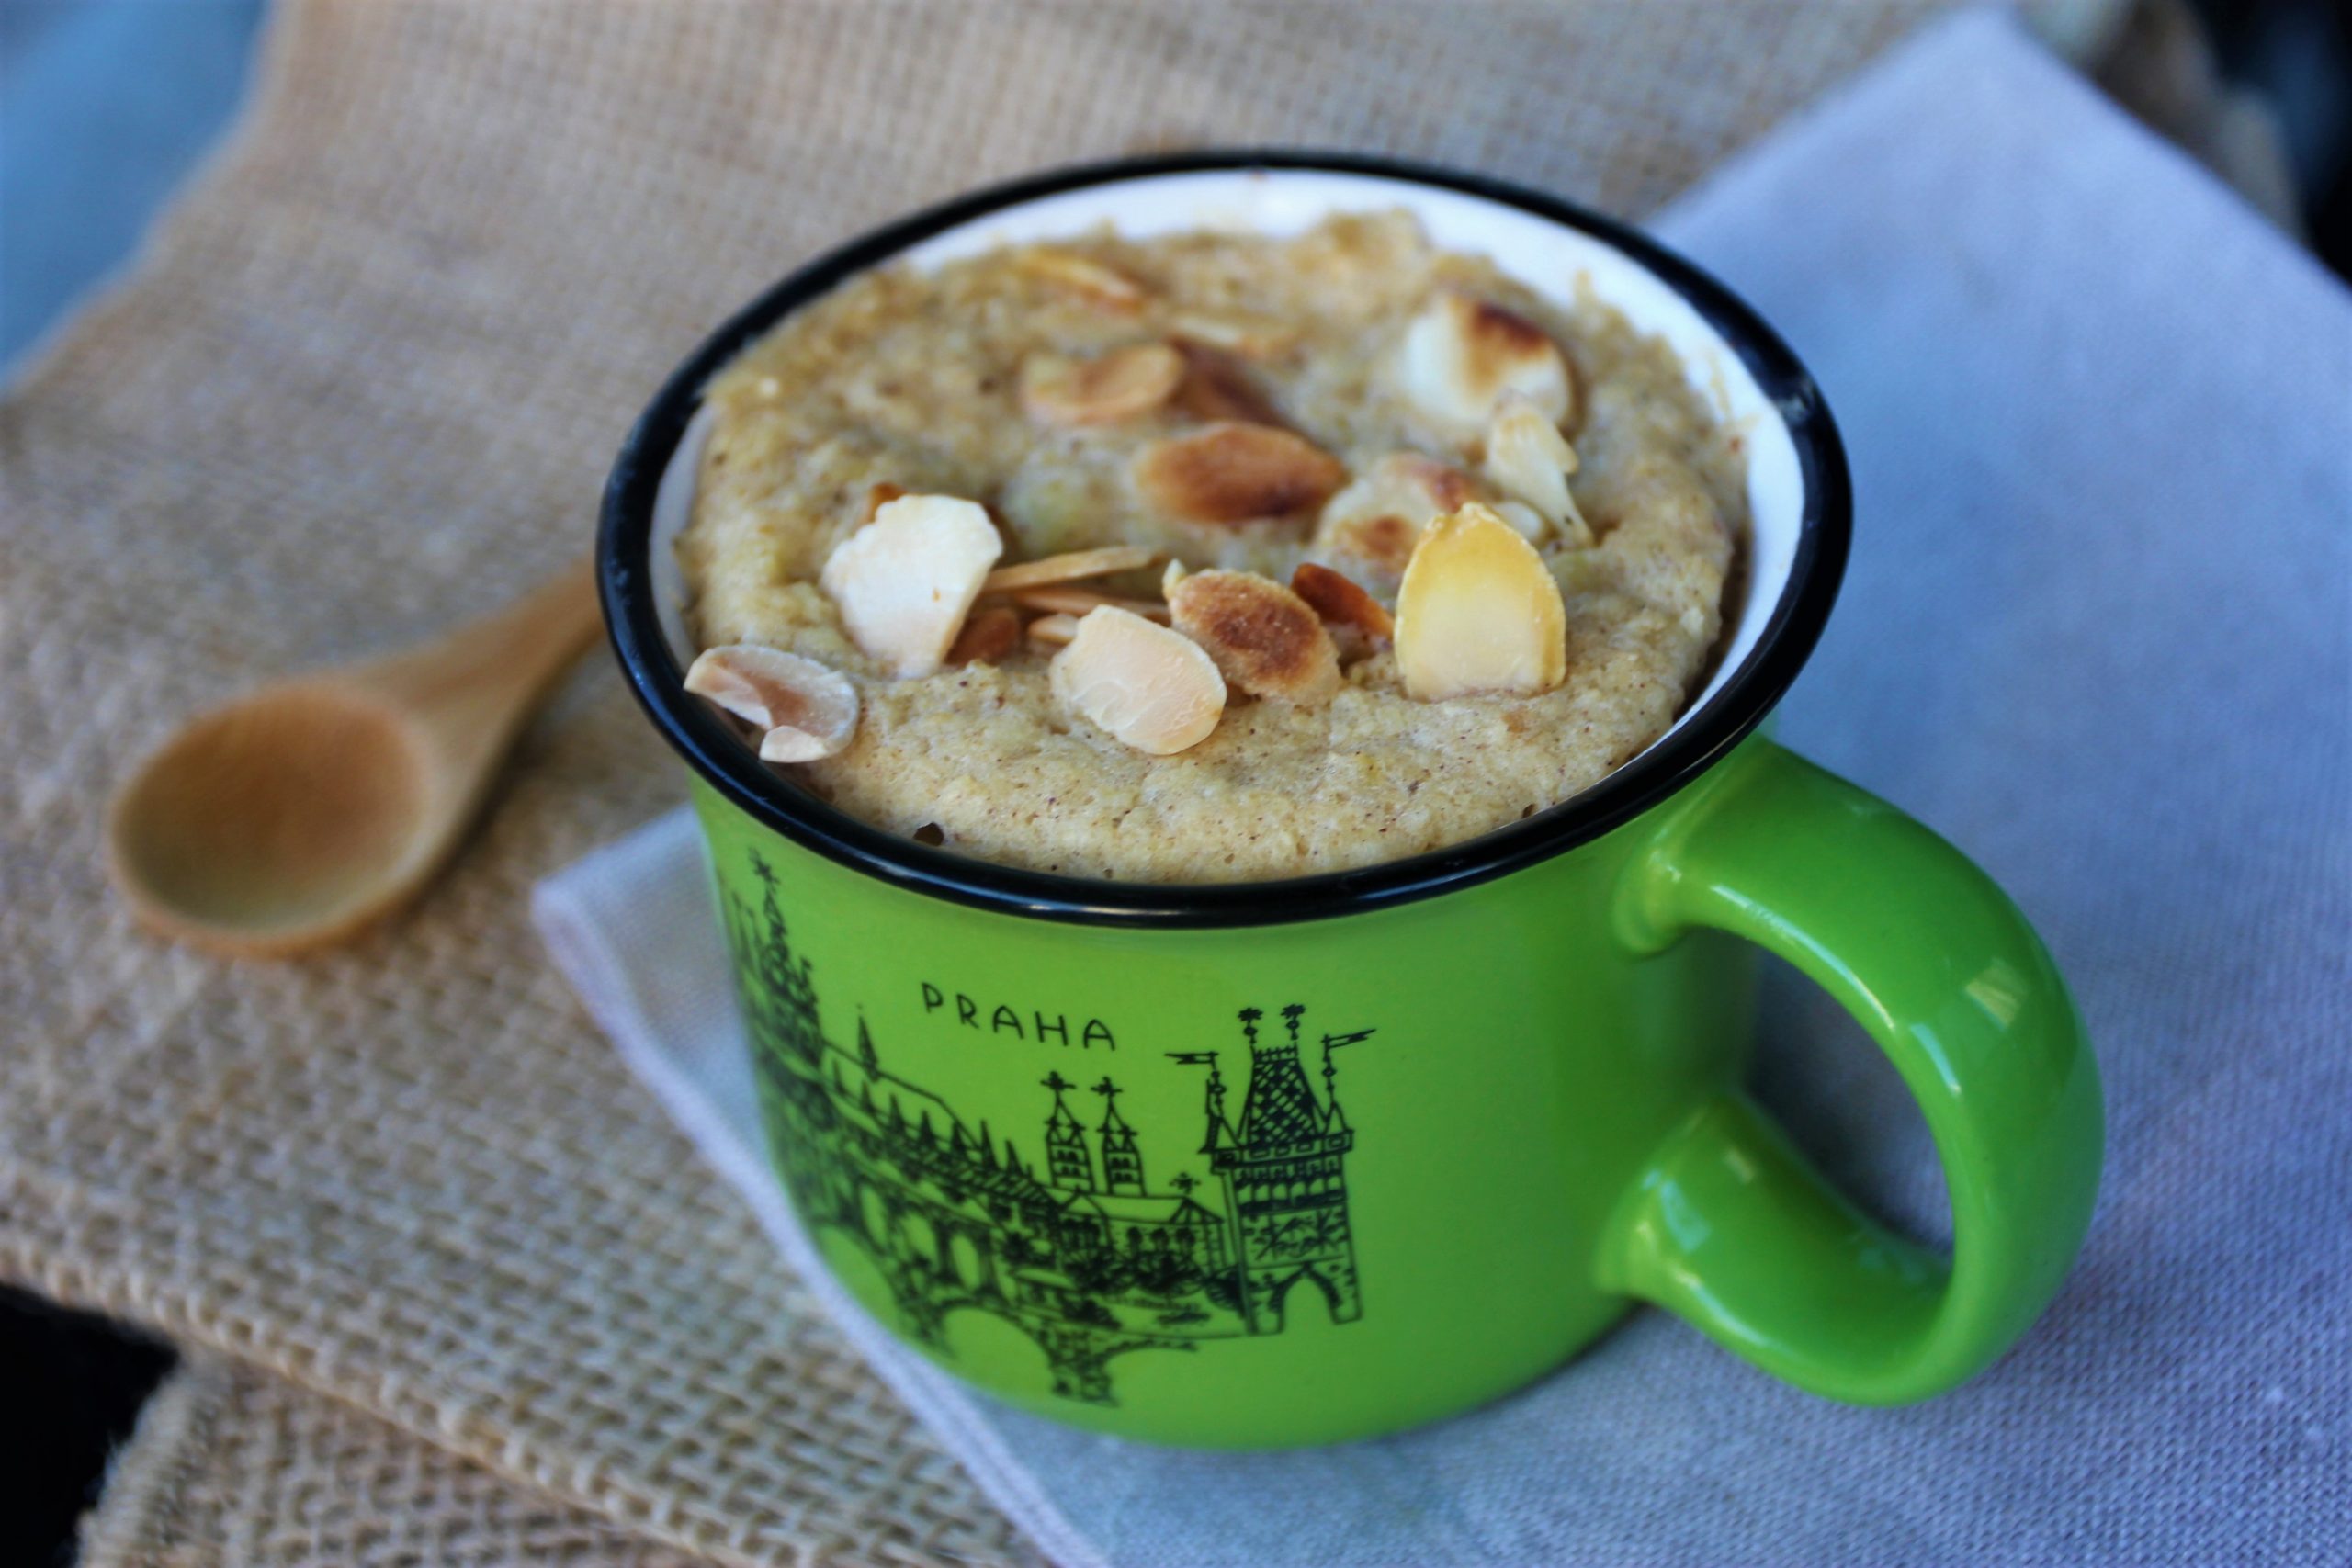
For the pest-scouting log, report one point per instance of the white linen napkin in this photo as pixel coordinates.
(2098, 630)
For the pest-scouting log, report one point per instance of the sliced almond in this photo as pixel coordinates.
(1074, 567)
(1098, 282)
(1339, 601)
(1460, 356)
(1053, 631)
(1235, 331)
(790, 743)
(1266, 639)
(1527, 458)
(1215, 388)
(1121, 384)
(1373, 525)
(989, 633)
(1154, 689)
(878, 496)
(1229, 473)
(905, 580)
(1524, 520)
(1064, 601)
(804, 710)
(1175, 573)
(1376, 546)
(1479, 611)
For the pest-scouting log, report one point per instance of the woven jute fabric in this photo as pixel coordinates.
(367, 378)
(231, 1466)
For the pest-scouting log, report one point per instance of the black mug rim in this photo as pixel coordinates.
(1794, 626)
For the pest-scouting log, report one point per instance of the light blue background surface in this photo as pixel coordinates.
(105, 106)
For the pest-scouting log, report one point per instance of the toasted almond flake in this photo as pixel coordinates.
(1373, 525)
(1074, 567)
(1053, 631)
(1120, 384)
(1479, 611)
(804, 710)
(1235, 331)
(905, 580)
(1099, 282)
(1527, 458)
(1216, 388)
(1084, 601)
(989, 633)
(1230, 473)
(1339, 601)
(1151, 688)
(1378, 545)
(1266, 639)
(878, 496)
(1460, 356)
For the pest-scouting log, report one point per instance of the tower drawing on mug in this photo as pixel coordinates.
(1096, 1247)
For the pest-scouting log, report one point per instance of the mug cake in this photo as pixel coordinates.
(1206, 557)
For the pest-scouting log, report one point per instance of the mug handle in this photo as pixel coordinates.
(1727, 1225)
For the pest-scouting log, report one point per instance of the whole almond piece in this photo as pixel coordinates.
(805, 710)
(1121, 384)
(1479, 611)
(1230, 473)
(1151, 688)
(1266, 639)
(905, 580)
(1460, 356)
(1340, 601)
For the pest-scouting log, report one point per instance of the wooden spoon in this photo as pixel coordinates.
(293, 818)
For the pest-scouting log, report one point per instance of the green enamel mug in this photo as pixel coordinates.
(1301, 1161)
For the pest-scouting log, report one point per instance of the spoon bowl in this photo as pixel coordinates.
(295, 817)
(288, 812)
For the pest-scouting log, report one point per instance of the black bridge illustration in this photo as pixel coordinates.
(1078, 1248)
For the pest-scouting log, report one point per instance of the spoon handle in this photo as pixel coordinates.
(498, 666)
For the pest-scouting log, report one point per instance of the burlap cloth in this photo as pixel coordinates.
(231, 1466)
(368, 377)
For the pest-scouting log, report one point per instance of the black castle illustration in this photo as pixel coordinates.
(1093, 1251)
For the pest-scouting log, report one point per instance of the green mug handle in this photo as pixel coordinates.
(1727, 1225)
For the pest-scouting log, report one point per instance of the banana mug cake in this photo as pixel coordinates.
(1207, 557)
